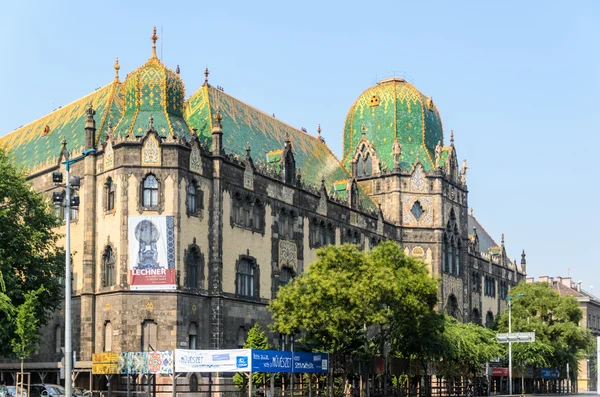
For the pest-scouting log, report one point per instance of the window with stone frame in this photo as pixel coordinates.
(194, 267)
(108, 267)
(192, 336)
(287, 221)
(108, 334)
(150, 190)
(286, 274)
(452, 306)
(149, 336)
(352, 236)
(247, 278)
(321, 233)
(193, 383)
(109, 195)
(489, 319)
(247, 212)
(194, 198)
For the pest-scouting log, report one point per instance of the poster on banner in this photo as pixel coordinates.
(311, 362)
(151, 253)
(271, 361)
(234, 360)
(157, 362)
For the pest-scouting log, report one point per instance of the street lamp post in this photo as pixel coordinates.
(509, 299)
(67, 203)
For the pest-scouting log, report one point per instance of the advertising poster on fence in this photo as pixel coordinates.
(311, 362)
(271, 361)
(151, 252)
(235, 360)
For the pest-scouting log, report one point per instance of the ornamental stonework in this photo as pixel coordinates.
(287, 195)
(249, 177)
(109, 157)
(195, 159)
(322, 207)
(288, 254)
(151, 151)
(409, 218)
(417, 180)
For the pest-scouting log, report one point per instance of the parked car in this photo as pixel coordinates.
(46, 390)
(81, 392)
(11, 391)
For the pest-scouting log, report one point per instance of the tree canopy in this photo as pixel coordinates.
(555, 320)
(29, 257)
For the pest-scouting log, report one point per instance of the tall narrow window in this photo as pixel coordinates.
(110, 194)
(191, 198)
(150, 192)
(457, 257)
(108, 334)
(108, 265)
(149, 336)
(451, 256)
(368, 166)
(193, 267)
(193, 383)
(360, 167)
(245, 278)
(445, 254)
(285, 276)
(192, 334)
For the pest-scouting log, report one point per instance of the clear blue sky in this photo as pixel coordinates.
(517, 81)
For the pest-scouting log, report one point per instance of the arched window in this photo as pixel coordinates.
(194, 267)
(108, 334)
(191, 198)
(150, 192)
(451, 255)
(192, 334)
(149, 336)
(285, 276)
(108, 266)
(476, 317)
(110, 194)
(245, 278)
(489, 319)
(360, 167)
(452, 306)
(193, 383)
(457, 257)
(57, 338)
(445, 264)
(368, 165)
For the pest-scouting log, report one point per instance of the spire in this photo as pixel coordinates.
(247, 148)
(206, 73)
(451, 137)
(217, 120)
(151, 123)
(523, 263)
(117, 67)
(503, 239)
(288, 138)
(217, 134)
(177, 70)
(319, 131)
(363, 129)
(471, 211)
(154, 37)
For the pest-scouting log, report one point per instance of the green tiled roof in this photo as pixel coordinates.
(265, 134)
(393, 109)
(37, 145)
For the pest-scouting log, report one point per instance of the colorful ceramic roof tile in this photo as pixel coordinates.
(393, 109)
(265, 134)
(37, 145)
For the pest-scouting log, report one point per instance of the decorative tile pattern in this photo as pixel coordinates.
(171, 242)
(408, 214)
(288, 254)
(417, 180)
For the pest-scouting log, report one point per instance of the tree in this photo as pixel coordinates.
(256, 339)
(29, 256)
(466, 348)
(27, 334)
(555, 320)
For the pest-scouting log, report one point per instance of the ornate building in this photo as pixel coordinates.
(194, 212)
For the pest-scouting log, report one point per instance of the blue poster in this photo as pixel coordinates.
(550, 373)
(311, 362)
(271, 361)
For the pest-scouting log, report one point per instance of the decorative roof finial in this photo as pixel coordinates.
(90, 111)
(206, 73)
(471, 211)
(64, 143)
(117, 67)
(217, 119)
(177, 70)
(154, 37)
(151, 123)
(523, 261)
(397, 151)
(363, 128)
(503, 239)
(247, 148)
(319, 130)
(451, 137)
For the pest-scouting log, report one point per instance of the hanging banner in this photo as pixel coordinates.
(151, 253)
(158, 362)
(311, 362)
(235, 360)
(105, 363)
(271, 361)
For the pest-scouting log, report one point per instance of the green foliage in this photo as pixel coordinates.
(6, 306)
(555, 320)
(256, 339)
(29, 256)
(346, 292)
(27, 336)
(467, 347)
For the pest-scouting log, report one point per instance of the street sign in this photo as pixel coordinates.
(516, 337)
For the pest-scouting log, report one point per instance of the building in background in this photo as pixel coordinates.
(194, 212)
(590, 319)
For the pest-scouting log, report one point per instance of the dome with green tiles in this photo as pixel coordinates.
(155, 90)
(394, 109)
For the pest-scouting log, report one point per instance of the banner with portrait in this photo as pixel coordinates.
(151, 253)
